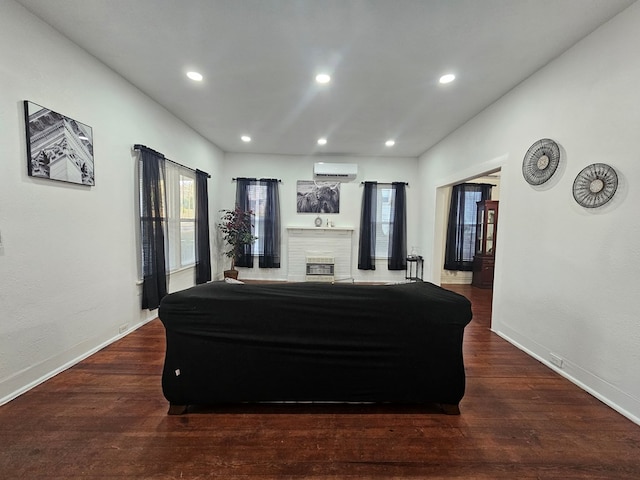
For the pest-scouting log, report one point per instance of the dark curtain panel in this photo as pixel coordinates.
(152, 211)
(203, 250)
(269, 232)
(461, 230)
(398, 229)
(245, 257)
(367, 242)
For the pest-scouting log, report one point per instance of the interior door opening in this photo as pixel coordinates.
(488, 234)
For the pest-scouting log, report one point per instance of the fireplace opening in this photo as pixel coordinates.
(320, 269)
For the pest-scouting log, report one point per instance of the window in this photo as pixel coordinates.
(468, 226)
(383, 220)
(383, 226)
(181, 220)
(257, 194)
(187, 220)
(461, 230)
(261, 197)
(178, 219)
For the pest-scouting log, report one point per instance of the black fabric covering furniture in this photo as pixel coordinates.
(313, 342)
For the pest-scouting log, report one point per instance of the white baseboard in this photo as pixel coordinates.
(608, 394)
(456, 278)
(24, 381)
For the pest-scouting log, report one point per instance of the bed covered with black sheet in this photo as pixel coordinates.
(314, 342)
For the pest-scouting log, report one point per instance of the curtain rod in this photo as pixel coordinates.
(279, 181)
(137, 146)
(386, 183)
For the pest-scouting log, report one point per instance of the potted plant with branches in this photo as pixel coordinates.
(235, 226)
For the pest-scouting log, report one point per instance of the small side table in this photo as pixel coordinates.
(415, 268)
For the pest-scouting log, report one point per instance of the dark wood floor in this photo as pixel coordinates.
(106, 418)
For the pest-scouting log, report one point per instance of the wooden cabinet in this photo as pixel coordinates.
(486, 235)
(482, 271)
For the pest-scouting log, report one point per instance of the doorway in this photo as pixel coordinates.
(443, 200)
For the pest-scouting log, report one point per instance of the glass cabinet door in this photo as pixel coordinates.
(486, 227)
(480, 230)
(491, 217)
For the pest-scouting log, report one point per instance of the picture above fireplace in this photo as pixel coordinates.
(318, 197)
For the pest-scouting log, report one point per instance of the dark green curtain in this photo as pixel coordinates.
(203, 249)
(367, 242)
(152, 210)
(461, 230)
(397, 257)
(269, 232)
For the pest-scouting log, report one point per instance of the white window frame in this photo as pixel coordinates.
(470, 215)
(176, 257)
(181, 251)
(257, 194)
(385, 198)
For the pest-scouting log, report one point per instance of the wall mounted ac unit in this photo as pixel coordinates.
(335, 171)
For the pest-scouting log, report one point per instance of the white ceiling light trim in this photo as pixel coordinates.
(447, 78)
(195, 76)
(390, 143)
(323, 78)
(245, 138)
(322, 141)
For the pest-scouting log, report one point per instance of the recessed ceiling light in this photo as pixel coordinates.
(245, 138)
(390, 143)
(323, 78)
(195, 76)
(448, 78)
(322, 141)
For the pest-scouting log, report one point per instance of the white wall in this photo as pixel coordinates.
(68, 257)
(290, 169)
(566, 277)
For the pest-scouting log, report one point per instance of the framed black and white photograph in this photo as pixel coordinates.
(58, 147)
(318, 197)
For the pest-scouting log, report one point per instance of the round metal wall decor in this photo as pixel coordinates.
(541, 161)
(595, 185)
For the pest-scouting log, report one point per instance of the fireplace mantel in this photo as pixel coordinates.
(320, 229)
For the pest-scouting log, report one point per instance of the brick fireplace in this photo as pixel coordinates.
(319, 254)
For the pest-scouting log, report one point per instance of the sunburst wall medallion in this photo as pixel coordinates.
(541, 161)
(595, 185)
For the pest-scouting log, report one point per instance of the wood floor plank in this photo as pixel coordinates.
(106, 418)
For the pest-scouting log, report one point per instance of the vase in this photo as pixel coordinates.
(233, 273)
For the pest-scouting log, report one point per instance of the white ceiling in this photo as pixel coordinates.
(259, 59)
